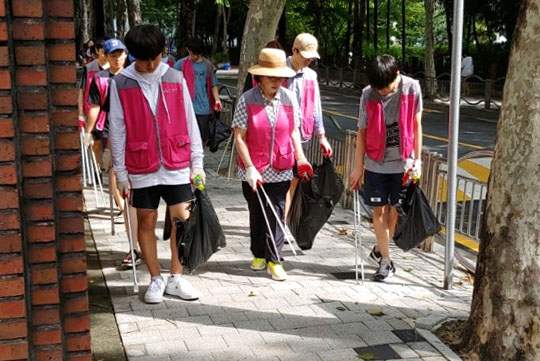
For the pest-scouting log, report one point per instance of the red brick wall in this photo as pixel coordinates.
(43, 285)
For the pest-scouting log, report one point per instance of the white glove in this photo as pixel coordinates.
(415, 167)
(106, 160)
(123, 188)
(198, 172)
(325, 147)
(88, 139)
(253, 177)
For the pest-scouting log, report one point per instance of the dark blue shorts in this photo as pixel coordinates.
(381, 189)
(148, 198)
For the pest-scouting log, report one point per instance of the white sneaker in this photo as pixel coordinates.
(155, 290)
(181, 287)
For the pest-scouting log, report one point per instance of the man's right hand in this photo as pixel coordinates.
(88, 140)
(123, 188)
(355, 178)
(253, 177)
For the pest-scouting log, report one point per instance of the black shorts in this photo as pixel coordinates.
(381, 189)
(203, 120)
(148, 198)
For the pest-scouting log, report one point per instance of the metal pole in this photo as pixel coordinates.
(453, 133)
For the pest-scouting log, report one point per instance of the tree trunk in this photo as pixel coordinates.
(358, 49)
(403, 35)
(217, 25)
(504, 322)
(448, 11)
(375, 26)
(226, 19)
(348, 33)
(388, 3)
(430, 75)
(367, 22)
(185, 24)
(282, 28)
(98, 19)
(121, 17)
(84, 15)
(260, 27)
(134, 12)
(317, 10)
(108, 13)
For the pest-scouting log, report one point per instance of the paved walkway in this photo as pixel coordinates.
(321, 313)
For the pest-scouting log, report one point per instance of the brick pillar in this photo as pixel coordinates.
(43, 285)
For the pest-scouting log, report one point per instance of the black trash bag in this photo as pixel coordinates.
(313, 203)
(416, 221)
(218, 133)
(200, 236)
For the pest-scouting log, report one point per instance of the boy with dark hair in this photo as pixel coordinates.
(156, 150)
(89, 71)
(98, 122)
(388, 143)
(202, 84)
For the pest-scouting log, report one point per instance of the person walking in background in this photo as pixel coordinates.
(266, 122)
(202, 84)
(305, 86)
(156, 150)
(89, 70)
(388, 143)
(98, 122)
(467, 69)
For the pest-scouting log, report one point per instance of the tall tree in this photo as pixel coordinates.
(367, 21)
(318, 11)
(388, 8)
(348, 33)
(186, 23)
(85, 20)
(504, 322)
(109, 14)
(260, 27)
(121, 17)
(217, 25)
(358, 39)
(429, 57)
(134, 12)
(226, 14)
(375, 25)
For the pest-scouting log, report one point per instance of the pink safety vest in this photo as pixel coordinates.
(102, 80)
(308, 106)
(91, 69)
(189, 74)
(269, 146)
(160, 139)
(376, 126)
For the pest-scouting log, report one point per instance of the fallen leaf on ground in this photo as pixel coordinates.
(366, 356)
(253, 293)
(343, 232)
(375, 312)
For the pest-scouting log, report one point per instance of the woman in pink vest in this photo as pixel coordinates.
(156, 149)
(98, 123)
(266, 122)
(388, 143)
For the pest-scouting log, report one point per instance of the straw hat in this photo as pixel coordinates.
(272, 62)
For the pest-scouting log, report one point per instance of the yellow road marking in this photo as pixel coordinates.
(476, 170)
(441, 139)
(464, 240)
(443, 190)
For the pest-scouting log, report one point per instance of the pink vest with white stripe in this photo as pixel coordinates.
(269, 146)
(91, 69)
(160, 139)
(376, 126)
(307, 102)
(102, 80)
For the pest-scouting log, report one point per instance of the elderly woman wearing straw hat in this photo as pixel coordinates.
(268, 142)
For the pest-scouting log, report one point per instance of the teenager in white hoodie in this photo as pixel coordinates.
(156, 150)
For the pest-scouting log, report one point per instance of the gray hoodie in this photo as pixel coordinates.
(150, 86)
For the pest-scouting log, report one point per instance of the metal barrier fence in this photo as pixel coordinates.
(475, 90)
(471, 197)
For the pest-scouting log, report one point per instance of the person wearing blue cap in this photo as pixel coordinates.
(98, 123)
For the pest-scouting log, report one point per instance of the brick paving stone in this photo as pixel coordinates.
(404, 350)
(313, 313)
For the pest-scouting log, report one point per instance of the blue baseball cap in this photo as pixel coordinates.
(112, 45)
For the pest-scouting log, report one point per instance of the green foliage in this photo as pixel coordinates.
(221, 57)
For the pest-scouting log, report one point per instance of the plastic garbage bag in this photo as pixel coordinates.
(416, 221)
(200, 236)
(313, 203)
(218, 133)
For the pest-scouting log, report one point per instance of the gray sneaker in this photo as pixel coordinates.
(385, 271)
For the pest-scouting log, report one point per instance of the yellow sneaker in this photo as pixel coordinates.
(258, 264)
(276, 271)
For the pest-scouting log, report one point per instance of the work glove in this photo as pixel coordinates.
(325, 147)
(253, 177)
(88, 140)
(82, 122)
(414, 168)
(305, 171)
(198, 178)
(106, 160)
(123, 188)
(217, 106)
